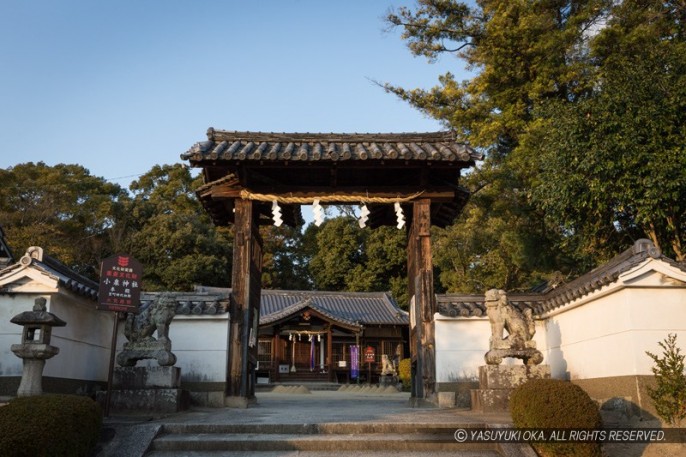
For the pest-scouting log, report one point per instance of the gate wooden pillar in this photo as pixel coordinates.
(423, 304)
(245, 306)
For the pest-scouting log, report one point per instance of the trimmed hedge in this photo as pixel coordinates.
(49, 425)
(552, 403)
(405, 373)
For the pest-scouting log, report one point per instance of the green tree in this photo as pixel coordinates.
(285, 259)
(71, 214)
(522, 53)
(384, 266)
(345, 257)
(339, 250)
(171, 234)
(669, 393)
(614, 162)
(540, 68)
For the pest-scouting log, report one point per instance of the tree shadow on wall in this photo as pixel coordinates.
(555, 354)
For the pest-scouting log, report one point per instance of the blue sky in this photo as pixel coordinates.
(119, 86)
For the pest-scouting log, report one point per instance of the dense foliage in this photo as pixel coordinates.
(405, 373)
(579, 106)
(556, 404)
(64, 209)
(346, 257)
(669, 393)
(161, 223)
(169, 232)
(50, 426)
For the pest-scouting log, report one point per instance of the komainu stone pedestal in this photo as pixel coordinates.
(147, 389)
(496, 383)
(386, 380)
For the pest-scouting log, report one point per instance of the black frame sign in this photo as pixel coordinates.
(120, 281)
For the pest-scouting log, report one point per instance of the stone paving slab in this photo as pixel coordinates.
(321, 454)
(320, 407)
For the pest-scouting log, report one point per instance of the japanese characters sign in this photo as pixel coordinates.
(120, 281)
(369, 354)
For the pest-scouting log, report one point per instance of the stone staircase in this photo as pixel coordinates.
(350, 439)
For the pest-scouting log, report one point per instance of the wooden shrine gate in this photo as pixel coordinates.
(408, 180)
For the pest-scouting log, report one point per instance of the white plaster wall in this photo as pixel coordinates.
(11, 305)
(608, 336)
(84, 342)
(461, 344)
(200, 346)
(655, 314)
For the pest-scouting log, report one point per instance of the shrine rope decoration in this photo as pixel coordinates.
(247, 195)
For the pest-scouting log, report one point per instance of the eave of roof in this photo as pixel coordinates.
(51, 267)
(289, 311)
(225, 146)
(69, 278)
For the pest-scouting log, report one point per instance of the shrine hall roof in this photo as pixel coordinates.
(361, 308)
(222, 145)
(351, 308)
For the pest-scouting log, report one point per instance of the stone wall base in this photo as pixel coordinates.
(133, 378)
(496, 383)
(147, 389)
(462, 391)
(147, 400)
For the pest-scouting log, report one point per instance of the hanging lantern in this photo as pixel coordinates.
(319, 338)
(318, 213)
(399, 215)
(364, 215)
(290, 337)
(276, 214)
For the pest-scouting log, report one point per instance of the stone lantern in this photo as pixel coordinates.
(35, 346)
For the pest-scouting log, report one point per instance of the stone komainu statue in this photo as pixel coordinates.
(388, 368)
(520, 328)
(153, 317)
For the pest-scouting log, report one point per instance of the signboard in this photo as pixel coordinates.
(120, 277)
(354, 361)
(369, 355)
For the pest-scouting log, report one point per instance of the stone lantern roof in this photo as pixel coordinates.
(38, 316)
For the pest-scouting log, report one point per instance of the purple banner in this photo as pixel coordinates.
(311, 353)
(354, 361)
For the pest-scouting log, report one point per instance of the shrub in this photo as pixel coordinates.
(49, 425)
(551, 403)
(405, 373)
(669, 394)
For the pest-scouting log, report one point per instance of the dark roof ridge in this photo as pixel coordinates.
(306, 303)
(65, 270)
(322, 292)
(595, 279)
(226, 135)
(600, 276)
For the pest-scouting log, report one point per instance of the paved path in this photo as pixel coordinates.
(133, 434)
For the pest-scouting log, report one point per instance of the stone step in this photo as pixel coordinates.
(333, 443)
(329, 428)
(365, 453)
(363, 438)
